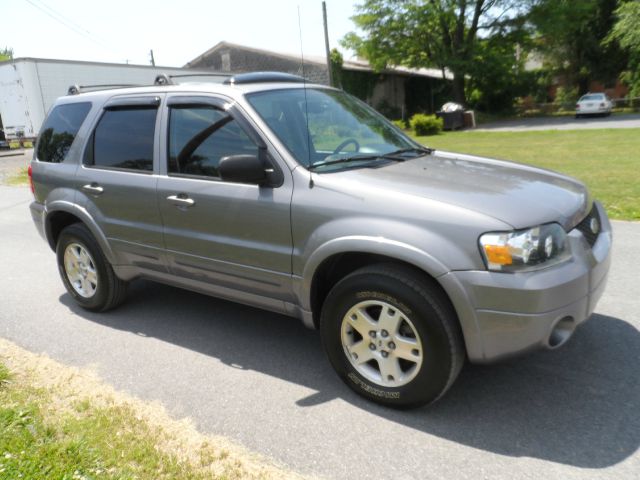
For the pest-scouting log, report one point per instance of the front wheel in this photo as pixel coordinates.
(392, 336)
(85, 272)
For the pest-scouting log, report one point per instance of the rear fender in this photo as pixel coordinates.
(82, 215)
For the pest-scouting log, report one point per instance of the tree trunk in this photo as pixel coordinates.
(458, 88)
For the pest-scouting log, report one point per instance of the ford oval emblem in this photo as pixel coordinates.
(594, 225)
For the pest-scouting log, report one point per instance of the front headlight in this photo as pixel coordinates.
(525, 250)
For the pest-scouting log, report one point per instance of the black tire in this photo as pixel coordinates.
(109, 291)
(417, 298)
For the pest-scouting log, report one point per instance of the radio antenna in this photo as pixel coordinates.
(306, 108)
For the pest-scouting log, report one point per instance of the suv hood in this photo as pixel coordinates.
(519, 195)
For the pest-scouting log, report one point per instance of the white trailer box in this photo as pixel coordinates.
(29, 86)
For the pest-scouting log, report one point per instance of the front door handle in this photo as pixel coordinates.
(93, 188)
(181, 200)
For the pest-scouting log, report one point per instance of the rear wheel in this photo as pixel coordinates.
(392, 336)
(85, 272)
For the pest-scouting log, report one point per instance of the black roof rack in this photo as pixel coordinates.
(76, 89)
(263, 77)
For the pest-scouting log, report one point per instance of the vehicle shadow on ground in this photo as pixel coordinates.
(578, 405)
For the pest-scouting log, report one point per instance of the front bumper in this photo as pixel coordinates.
(506, 314)
(593, 110)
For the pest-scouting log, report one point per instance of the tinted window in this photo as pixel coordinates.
(59, 130)
(124, 139)
(199, 136)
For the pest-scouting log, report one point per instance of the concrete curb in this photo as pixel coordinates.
(12, 153)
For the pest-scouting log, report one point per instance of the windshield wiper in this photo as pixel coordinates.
(419, 150)
(355, 158)
(394, 156)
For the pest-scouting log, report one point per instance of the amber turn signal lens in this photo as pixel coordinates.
(498, 254)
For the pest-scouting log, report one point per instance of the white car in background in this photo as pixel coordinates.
(594, 104)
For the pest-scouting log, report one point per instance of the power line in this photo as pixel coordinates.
(65, 19)
(70, 24)
(60, 19)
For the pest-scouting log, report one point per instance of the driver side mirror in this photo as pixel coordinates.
(242, 169)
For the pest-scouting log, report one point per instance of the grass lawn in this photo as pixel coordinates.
(19, 178)
(608, 161)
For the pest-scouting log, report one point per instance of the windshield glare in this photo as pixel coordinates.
(339, 125)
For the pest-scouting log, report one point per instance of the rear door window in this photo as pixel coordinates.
(124, 139)
(59, 130)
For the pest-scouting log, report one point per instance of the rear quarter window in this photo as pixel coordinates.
(59, 130)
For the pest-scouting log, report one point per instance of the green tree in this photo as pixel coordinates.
(626, 33)
(6, 54)
(497, 74)
(430, 33)
(336, 62)
(570, 36)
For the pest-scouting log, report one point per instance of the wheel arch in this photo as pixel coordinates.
(62, 214)
(339, 257)
(330, 264)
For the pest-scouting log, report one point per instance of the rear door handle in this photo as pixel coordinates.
(93, 188)
(181, 200)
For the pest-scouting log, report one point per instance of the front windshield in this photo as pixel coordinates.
(340, 127)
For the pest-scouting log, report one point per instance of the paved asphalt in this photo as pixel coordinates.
(263, 380)
(11, 161)
(563, 123)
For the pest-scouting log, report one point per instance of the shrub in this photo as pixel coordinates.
(423, 124)
(566, 98)
(401, 124)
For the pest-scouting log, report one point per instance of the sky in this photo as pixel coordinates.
(123, 31)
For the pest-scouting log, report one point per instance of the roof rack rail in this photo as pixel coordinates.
(77, 89)
(263, 77)
(164, 79)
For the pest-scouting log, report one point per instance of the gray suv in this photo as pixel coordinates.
(302, 200)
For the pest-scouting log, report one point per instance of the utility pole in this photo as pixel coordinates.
(326, 43)
(153, 60)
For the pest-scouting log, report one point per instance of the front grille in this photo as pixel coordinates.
(585, 226)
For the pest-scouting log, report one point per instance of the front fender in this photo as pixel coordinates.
(402, 251)
(365, 244)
